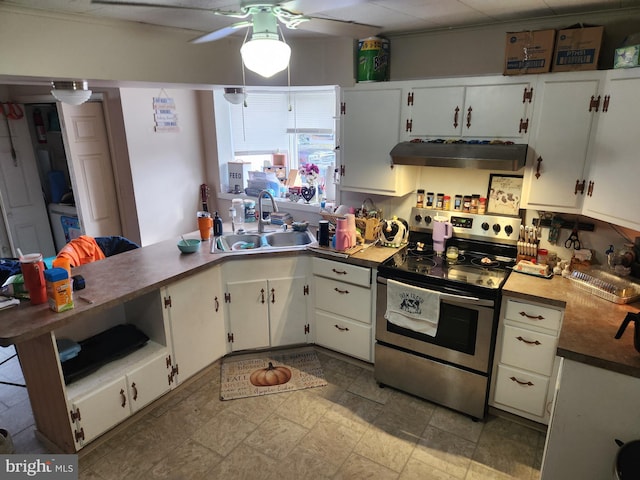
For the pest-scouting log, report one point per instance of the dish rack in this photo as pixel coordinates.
(368, 219)
(606, 285)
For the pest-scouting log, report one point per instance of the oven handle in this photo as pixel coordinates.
(463, 299)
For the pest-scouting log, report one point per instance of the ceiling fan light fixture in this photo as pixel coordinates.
(265, 56)
(73, 93)
(234, 95)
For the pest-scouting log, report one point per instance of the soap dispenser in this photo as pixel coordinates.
(217, 225)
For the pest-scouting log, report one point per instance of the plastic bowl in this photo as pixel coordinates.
(189, 245)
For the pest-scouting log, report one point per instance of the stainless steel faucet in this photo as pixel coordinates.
(261, 221)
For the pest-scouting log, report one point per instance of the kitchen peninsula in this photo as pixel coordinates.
(133, 287)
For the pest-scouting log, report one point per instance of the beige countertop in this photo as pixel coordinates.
(589, 325)
(128, 275)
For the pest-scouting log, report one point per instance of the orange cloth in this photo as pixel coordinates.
(81, 250)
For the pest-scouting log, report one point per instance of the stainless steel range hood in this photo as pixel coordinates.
(510, 157)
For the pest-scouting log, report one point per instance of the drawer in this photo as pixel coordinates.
(343, 299)
(528, 350)
(343, 335)
(342, 271)
(521, 390)
(533, 314)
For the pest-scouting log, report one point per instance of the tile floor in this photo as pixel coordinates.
(350, 429)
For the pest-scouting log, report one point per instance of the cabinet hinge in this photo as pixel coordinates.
(75, 415)
(168, 361)
(342, 170)
(524, 125)
(305, 290)
(79, 434)
(527, 95)
(410, 98)
(169, 379)
(167, 302)
(409, 124)
(230, 337)
(175, 370)
(227, 297)
(594, 104)
(590, 188)
(343, 108)
(306, 328)
(579, 187)
(605, 104)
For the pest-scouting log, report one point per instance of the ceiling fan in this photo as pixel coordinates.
(263, 17)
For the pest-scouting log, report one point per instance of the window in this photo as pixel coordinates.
(298, 122)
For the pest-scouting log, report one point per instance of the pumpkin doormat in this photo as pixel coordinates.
(270, 373)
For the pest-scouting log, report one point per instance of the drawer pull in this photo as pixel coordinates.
(528, 342)
(123, 398)
(342, 329)
(537, 317)
(526, 384)
(341, 291)
(338, 272)
(135, 391)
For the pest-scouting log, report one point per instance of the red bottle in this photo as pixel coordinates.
(39, 124)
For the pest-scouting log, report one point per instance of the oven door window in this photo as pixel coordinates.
(457, 329)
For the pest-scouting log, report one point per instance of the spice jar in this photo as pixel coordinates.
(420, 198)
(457, 203)
(446, 202)
(482, 206)
(466, 203)
(429, 200)
(439, 201)
(542, 256)
(475, 200)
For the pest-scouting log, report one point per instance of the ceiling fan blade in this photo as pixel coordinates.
(119, 3)
(223, 32)
(339, 28)
(309, 7)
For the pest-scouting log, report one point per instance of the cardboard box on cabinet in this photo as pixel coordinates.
(529, 52)
(577, 48)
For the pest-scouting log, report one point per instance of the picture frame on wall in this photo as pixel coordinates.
(504, 195)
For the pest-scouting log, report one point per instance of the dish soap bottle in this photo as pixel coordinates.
(217, 225)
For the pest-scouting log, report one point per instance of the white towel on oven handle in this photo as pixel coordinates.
(414, 308)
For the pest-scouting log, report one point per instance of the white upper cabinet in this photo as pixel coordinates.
(475, 108)
(611, 192)
(565, 109)
(370, 128)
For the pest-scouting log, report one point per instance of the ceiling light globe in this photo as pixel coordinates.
(265, 56)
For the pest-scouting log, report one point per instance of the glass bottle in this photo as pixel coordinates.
(420, 198)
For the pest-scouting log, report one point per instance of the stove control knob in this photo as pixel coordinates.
(508, 230)
(427, 219)
(418, 218)
(496, 227)
(485, 226)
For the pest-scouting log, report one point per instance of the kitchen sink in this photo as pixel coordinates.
(266, 241)
(288, 239)
(228, 243)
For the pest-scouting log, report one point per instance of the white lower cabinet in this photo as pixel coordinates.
(526, 364)
(268, 309)
(344, 307)
(193, 309)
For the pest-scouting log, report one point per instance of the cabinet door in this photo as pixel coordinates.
(148, 382)
(437, 112)
(248, 310)
(495, 111)
(612, 189)
(370, 129)
(197, 322)
(558, 151)
(288, 310)
(103, 408)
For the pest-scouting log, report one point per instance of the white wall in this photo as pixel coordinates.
(167, 168)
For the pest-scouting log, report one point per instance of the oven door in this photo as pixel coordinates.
(464, 335)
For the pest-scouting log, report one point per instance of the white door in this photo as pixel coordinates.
(437, 111)
(89, 158)
(248, 309)
(495, 111)
(148, 382)
(23, 207)
(288, 310)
